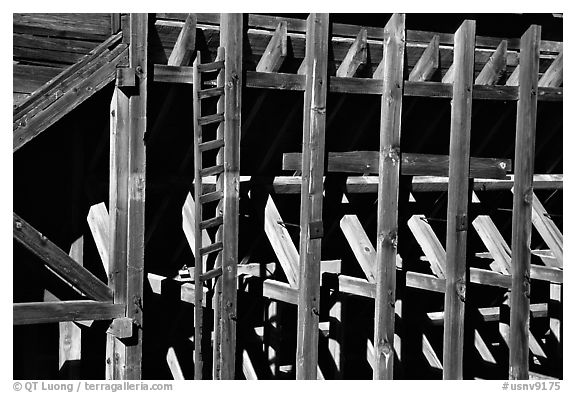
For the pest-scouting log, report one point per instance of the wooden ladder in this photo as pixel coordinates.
(203, 145)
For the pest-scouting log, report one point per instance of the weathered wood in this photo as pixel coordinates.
(357, 54)
(185, 44)
(522, 207)
(275, 52)
(281, 242)
(295, 82)
(72, 310)
(315, 96)
(388, 188)
(548, 231)
(494, 242)
(82, 26)
(428, 62)
(553, 77)
(433, 249)
(70, 346)
(27, 128)
(457, 216)
(99, 223)
(231, 39)
(50, 254)
(174, 365)
(410, 164)
(495, 66)
(161, 285)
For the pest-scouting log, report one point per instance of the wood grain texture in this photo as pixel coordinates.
(72, 310)
(495, 66)
(457, 216)
(522, 205)
(410, 164)
(59, 261)
(276, 51)
(428, 62)
(315, 96)
(388, 189)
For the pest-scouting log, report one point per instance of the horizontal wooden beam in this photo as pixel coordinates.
(161, 285)
(295, 82)
(59, 261)
(411, 164)
(74, 310)
(369, 184)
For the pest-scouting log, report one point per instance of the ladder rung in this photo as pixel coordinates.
(212, 92)
(211, 196)
(213, 170)
(215, 118)
(213, 222)
(211, 248)
(211, 145)
(214, 66)
(211, 274)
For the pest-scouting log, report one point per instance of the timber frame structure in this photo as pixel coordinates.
(415, 259)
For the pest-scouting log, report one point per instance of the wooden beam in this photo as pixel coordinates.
(315, 96)
(388, 188)
(522, 207)
(185, 44)
(494, 242)
(161, 285)
(73, 310)
(281, 242)
(231, 38)
(457, 216)
(553, 77)
(427, 63)
(369, 184)
(357, 55)
(276, 51)
(127, 199)
(494, 67)
(99, 223)
(411, 164)
(174, 365)
(433, 249)
(548, 231)
(50, 254)
(28, 127)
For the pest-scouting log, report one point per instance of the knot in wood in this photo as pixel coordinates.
(385, 347)
(139, 70)
(461, 290)
(18, 225)
(392, 153)
(315, 311)
(320, 110)
(528, 197)
(526, 285)
(392, 239)
(502, 165)
(461, 222)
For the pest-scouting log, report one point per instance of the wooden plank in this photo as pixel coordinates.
(174, 365)
(185, 44)
(275, 52)
(553, 77)
(494, 242)
(281, 242)
(411, 164)
(70, 346)
(357, 55)
(548, 231)
(433, 249)
(457, 216)
(315, 96)
(72, 310)
(388, 188)
(495, 67)
(99, 224)
(59, 261)
(82, 26)
(28, 129)
(161, 285)
(427, 63)
(522, 206)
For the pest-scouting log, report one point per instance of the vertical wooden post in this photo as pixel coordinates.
(311, 197)
(457, 217)
(231, 35)
(127, 198)
(388, 183)
(522, 208)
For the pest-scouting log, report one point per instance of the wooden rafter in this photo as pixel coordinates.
(276, 51)
(99, 223)
(59, 261)
(355, 56)
(495, 67)
(553, 76)
(427, 63)
(522, 206)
